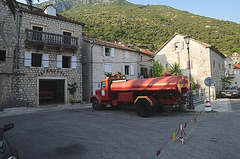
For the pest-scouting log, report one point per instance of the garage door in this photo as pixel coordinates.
(51, 91)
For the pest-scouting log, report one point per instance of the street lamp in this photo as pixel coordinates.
(190, 106)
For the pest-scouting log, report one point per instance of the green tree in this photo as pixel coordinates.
(194, 84)
(13, 5)
(175, 69)
(226, 80)
(157, 68)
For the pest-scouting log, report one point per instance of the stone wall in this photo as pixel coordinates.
(201, 58)
(22, 89)
(136, 60)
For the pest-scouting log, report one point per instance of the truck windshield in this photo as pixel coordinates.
(103, 84)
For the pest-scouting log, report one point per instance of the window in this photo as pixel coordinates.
(2, 55)
(213, 63)
(37, 35)
(103, 84)
(127, 55)
(66, 61)
(127, 71)
(107, 51)
(177, 46)
(144, 72)
(108, 67)
(67, 38)
(36, 60)
(151, 72)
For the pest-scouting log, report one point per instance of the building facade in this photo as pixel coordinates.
(236, 74)
(235, 58)
(101, 58)
(206, 61)
(40, 54)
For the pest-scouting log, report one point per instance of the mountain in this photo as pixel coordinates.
(147, 26)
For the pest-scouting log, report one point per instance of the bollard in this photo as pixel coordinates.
(207, 106)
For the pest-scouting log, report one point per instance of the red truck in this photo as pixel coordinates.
(147, 95)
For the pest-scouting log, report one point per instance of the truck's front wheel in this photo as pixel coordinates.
(95, 104)
(144, 109)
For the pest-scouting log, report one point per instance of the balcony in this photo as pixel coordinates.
(41, 40)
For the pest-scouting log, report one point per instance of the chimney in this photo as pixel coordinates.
(50, 10)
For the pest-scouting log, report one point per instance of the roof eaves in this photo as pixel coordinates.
(58, 17)
(165, 44)
(109, 44)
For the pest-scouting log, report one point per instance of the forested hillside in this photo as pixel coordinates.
(149, 26)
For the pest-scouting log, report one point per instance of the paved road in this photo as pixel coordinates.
(235, 104)
(121, 134)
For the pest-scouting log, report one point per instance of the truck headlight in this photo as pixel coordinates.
(235, 92)
(12, 157)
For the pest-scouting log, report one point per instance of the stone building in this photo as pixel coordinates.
(40, 54)
(236, 74)
(206, 61)
(101, 58)
(229, 72)
(235, 58)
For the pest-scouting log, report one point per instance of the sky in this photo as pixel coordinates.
(219, 9)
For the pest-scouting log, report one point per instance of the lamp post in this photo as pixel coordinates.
(190, 106)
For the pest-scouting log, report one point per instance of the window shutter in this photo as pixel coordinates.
(74, 62)
(182, 45)
(173, 46)
(45, 61)
(28, 58)
(132, 70)
(112, 52)
(59, 61)
(126, 55)
(123, 69)
(110, 67)
(103, 50)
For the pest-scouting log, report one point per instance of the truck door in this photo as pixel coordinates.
(104, 89)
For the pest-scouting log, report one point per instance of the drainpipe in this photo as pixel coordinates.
(91, 52)
(17, 46)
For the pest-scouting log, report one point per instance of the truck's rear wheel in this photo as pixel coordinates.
(144, 109)
(95, 104)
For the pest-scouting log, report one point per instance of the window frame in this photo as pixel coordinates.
(36, 60)
(66, 61)
(3, 55)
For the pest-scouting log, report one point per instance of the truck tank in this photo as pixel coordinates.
(167, 83)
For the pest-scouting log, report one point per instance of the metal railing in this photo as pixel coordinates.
(50, 38)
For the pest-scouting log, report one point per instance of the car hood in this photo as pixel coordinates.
(230, 91)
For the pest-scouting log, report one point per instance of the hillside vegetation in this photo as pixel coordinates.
(149, 26)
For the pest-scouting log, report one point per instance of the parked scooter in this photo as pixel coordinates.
(6, 150)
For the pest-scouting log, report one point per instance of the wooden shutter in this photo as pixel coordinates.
(123, 69)
(74, 62)
(59, 61)
(132, 70)
(45, 60)
(103, 50)
(28, 58)
(112, 52)
(127, 55)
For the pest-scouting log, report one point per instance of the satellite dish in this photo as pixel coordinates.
(208, 81)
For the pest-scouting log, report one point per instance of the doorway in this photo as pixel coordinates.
(51, 91)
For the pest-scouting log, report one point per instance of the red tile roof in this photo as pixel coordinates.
(40, 12)
(148, 52)
(115, 45)
(236, 65)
